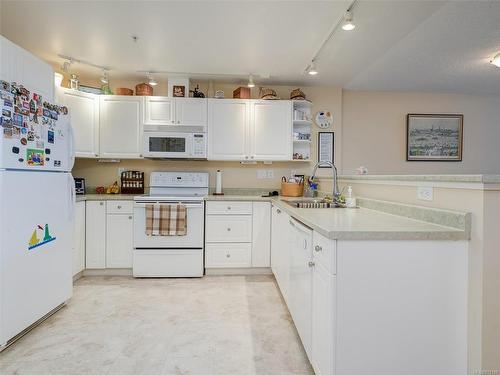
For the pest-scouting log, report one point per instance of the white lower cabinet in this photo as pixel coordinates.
(280, 245)
(119, 245)
(79, 239)
(237, 234)
(108, 234)
(95, 235)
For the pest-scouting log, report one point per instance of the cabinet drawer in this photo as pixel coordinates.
(324, 252)
(229, 208)
(229, 228)
(119, 207)
(228, 255)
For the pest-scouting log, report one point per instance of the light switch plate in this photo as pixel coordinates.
(270, 173)
(261, 174)
(425, 193)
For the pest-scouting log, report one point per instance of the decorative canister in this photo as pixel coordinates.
(144, 89)
(124, 91)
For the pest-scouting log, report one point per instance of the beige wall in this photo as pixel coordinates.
(374, 131)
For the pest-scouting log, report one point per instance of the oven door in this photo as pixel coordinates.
(192, 240)
(168, 145)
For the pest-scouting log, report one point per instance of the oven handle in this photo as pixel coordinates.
(188, 205)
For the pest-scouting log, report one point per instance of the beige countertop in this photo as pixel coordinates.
(344, 223)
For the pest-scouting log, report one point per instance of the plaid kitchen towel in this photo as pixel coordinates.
(166, 220)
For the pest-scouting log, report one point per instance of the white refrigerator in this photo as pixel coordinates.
(37, 202)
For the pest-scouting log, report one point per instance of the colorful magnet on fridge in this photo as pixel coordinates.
(24, 141)
(15, 150)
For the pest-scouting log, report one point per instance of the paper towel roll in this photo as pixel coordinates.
(218, 182)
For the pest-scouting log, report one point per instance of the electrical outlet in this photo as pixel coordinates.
(120, 170)
(425, 193)
(261, 174)
(270, 173)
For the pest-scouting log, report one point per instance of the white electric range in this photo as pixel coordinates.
(171, 256)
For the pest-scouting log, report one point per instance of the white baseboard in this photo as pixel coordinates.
(108, 272)
(238, 271)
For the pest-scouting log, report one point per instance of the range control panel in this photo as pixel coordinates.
(178, 179)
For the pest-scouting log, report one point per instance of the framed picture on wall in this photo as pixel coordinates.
(179, 91)
(326, 147)
(434, 137)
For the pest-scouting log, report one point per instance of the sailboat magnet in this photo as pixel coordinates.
(35, 241)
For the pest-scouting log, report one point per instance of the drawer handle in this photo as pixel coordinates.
(318, 248)
(228, 255)
(229, 229)
(311, 264)
(278, 210)
(228, 207)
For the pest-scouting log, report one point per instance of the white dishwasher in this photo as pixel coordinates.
(300, 292)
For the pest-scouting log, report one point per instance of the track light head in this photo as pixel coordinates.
(311, 69)
(250, 81)
(348, 23)
(151, 80)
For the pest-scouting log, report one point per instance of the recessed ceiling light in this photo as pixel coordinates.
(152, 81)
(496, 60)
(348, 24)
(250, 81)
(311, 70)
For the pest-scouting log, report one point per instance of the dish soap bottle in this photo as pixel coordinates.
(350, 202)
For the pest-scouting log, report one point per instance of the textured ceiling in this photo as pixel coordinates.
(397, 45)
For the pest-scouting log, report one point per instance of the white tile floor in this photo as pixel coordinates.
(117, 325)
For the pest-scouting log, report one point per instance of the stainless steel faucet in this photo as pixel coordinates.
(336, 191)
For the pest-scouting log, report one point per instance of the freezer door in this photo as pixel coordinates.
(34, 136)
(36, 229)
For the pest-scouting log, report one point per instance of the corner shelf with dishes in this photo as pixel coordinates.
(302, 134)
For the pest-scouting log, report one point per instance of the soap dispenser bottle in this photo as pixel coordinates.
(350, 201)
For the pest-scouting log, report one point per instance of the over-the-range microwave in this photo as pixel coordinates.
(180, 145)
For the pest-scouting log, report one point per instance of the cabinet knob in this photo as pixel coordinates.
(251, 157)
(318, 248)
(228, 207)
(278, 210)
(119, 207)
(228, 255)
(130, 217)
(96, 154)
(246, 157)
(311, 264)
(229, 229)
(173, 122)
(101, 203)
(178, 121)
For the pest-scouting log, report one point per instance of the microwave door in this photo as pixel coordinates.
(168, 145)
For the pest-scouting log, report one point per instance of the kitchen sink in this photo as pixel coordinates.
(313, 203)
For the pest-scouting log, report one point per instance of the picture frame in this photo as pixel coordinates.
(326, 147)
(434, 137)
(179, 91)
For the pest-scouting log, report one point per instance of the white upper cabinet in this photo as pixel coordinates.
(120, 126)
(166, 111)
(249, 129)
(159, 110)
(271, 130)
(228, 121)
(191, 111)
(84, 111)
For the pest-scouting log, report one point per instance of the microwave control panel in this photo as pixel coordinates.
(199, 145)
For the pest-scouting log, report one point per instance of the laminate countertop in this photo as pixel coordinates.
(357, 223)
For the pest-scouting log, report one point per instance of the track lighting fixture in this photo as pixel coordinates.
(151, 80)
(250, 81)
(496, 60)
(311, 69)
(105, 77)
(348, 23)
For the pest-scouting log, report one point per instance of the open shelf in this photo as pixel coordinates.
(302, 122)
(302, 141)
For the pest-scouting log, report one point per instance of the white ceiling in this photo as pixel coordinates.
(397, 45)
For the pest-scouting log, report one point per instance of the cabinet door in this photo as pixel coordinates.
(300, 300)
(323, 319)
(120, 127)
(159, 110)
(271, 130)
(119, 245)
(261, 234)
(84, 111)
(79, 238)
(191, 112)
(227, 129)
(95, 234)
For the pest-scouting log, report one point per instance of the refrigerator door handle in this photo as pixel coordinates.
(72, 196)
(71, 147)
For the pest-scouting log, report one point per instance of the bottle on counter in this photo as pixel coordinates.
(350, 201)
